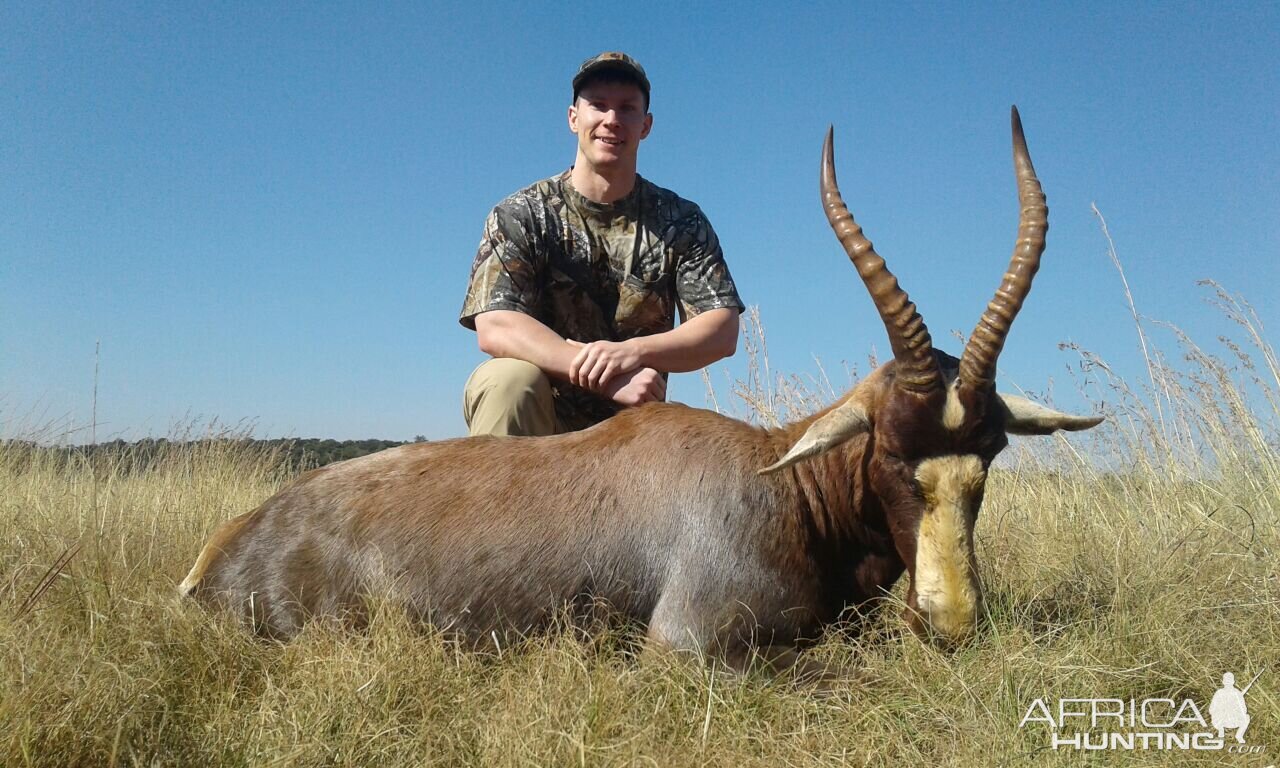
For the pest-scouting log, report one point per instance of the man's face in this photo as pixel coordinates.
(610, 121)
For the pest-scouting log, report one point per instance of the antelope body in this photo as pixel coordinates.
(664, 512)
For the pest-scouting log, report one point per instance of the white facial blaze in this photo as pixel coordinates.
(953, 411)
(946, 579)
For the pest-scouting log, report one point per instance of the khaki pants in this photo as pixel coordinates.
(509, 397)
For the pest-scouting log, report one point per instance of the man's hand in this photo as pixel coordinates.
(612, 368)
(598, 362)
(643, 385)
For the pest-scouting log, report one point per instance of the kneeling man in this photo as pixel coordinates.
(578, 278)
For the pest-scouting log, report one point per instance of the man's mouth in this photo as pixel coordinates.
(609, 141)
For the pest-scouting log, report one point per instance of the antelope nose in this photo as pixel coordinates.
(946, 627)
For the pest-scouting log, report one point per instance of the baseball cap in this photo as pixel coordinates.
(612, 60)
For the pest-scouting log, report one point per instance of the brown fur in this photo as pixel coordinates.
(493, 534)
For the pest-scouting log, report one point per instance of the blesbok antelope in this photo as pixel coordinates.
(716, 535)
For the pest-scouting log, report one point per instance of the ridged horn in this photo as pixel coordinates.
(908, 337)
(978, 362)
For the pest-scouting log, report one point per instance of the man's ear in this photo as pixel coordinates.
(573, 117)
(648, 125)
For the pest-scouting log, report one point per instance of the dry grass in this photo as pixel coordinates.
(1136, 562)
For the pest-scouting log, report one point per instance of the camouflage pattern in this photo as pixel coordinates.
(591, 271)
(615, 60)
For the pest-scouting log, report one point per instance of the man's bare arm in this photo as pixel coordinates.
(506, 333)
(694, 344)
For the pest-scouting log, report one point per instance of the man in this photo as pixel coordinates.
(578, 278)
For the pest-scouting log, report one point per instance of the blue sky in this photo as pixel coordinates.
(266, 213)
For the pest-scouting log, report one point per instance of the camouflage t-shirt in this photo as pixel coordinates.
(592, 271)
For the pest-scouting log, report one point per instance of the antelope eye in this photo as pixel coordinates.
(895, 454)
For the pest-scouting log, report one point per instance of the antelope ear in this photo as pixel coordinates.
(846, 421)
(1023, 417)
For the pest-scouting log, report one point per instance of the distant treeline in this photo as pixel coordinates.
(296, 453)
(313, 452)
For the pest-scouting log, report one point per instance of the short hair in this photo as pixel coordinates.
(611, 76)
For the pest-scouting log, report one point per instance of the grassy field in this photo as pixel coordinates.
(1139, 561)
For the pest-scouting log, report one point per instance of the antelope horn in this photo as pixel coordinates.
(908, 337)
(978, 362)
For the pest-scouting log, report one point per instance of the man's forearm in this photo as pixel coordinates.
(695, 343)
(506, 333)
